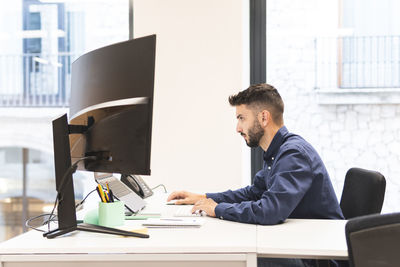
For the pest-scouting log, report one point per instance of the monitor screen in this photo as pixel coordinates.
(112, 94)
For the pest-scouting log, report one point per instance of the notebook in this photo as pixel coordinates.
(173, 222)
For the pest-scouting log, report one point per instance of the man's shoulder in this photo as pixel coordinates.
(296, 142)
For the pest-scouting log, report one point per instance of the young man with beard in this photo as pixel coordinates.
(293, 182)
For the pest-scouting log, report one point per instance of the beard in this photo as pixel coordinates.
(255, 135)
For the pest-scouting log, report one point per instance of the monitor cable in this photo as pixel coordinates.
(70, 171)
(49, 218)
(77, 206)
(160, 185)
(52, 216)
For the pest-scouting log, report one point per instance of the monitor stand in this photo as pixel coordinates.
(66, 211)
(92, 228)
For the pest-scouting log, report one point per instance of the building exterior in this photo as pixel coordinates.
(336, 64)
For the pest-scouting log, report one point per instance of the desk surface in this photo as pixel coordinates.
(303, 238)
(296, 238)
(214, 236)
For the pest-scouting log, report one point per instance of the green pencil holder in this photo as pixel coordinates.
(92, 217)
(111, 214)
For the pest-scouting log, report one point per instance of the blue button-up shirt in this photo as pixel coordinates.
(293, 183)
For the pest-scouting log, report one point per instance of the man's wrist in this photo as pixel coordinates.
(201, 196)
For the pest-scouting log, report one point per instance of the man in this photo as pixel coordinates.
(293, 182)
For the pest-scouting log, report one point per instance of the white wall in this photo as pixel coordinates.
(199, 63)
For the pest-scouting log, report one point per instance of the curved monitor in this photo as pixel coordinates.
(113, 73)
(112, 94)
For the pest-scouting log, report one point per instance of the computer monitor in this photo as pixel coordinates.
(111, 121)
(114, 86)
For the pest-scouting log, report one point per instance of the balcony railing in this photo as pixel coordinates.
(357, 62)
(35, 80)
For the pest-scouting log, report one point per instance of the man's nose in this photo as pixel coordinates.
(238, 128)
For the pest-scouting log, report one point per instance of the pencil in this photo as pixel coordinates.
(103, 199)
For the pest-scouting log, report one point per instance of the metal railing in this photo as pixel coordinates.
(357, 62)
(35, 80)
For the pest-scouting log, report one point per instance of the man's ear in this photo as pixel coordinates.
(264, 117)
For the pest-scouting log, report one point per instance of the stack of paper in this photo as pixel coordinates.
(173, 222)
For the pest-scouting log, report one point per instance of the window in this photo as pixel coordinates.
(366, 54)
(39, 40)
(45, 38)
(27, 187)
(332, 78)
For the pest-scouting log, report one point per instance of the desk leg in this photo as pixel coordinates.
(251, 260)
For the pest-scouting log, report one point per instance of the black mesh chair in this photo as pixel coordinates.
(374, 240)
(363, 193)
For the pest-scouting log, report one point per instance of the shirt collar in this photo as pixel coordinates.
(276, 143)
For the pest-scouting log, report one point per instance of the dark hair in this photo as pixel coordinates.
(261, 96)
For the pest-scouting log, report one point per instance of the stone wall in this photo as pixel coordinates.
(353, 135)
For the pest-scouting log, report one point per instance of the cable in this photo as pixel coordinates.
(36, 217)
(52, 212)
(70, 171)
(165, 189)
(52, 216)
(83, 200)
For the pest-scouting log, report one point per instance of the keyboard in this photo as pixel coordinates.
(186, 211)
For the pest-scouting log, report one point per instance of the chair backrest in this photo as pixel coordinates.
(363, 193)
(374, 240)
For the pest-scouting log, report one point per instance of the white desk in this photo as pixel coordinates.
(216, 243)
(302, 238)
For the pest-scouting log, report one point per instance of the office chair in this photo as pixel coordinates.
(374, 240)
(363, 193)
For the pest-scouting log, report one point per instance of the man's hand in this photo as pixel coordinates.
(184, 197)
(207, 205)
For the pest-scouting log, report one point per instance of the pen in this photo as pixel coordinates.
(98, 192)
(108, 193)
(107, 197)
(103, 199)
(111, 196)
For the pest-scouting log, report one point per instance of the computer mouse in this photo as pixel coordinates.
(200, 212)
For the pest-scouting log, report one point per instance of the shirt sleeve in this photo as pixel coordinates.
(236, 196)
(292, 177)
